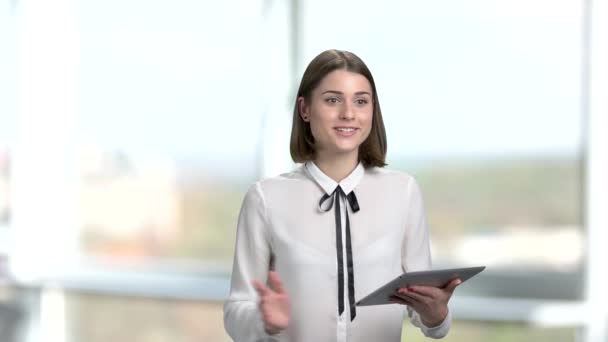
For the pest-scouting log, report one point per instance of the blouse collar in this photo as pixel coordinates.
(328, 185)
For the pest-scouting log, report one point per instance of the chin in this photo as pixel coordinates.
(346, 149)
(341, 147)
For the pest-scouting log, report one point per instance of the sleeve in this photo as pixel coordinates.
(242, 319)
(416, 254)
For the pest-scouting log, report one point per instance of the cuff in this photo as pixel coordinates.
(439, 331)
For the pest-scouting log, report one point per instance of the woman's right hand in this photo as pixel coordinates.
(274, 304)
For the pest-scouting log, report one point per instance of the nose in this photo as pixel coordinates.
(347, 112)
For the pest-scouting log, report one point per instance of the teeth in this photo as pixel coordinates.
(345, 129)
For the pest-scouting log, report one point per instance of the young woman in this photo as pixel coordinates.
(313, 241)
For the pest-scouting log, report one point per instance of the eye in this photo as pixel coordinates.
(332, 99)
(361, 101)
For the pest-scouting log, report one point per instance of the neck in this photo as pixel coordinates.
(337, 166)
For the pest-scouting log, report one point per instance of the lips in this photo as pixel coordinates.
(346, 131)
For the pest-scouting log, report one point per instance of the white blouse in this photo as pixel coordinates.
(283, 222)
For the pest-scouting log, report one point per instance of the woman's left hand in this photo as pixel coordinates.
(431, 303)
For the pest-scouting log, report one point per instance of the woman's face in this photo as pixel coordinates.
(340, 112)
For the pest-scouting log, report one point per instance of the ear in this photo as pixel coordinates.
(303, 109)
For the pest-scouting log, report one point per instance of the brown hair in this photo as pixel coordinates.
(372, 151)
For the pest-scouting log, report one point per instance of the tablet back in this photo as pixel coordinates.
(436, 278)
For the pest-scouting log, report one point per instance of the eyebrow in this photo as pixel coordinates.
(341, 93)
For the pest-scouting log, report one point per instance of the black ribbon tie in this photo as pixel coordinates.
(354, 205)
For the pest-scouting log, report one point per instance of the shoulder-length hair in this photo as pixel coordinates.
(372, 152)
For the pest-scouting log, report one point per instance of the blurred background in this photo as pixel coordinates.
(130, 131)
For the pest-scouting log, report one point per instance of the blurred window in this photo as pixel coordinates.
(169, 129)
(7, 115)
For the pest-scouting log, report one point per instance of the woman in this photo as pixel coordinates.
(334, 229)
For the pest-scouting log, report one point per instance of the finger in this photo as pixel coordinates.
(402, 290)
(411, 295)
(452, 285)
(260, 288)
(427, 291)
(275, 282)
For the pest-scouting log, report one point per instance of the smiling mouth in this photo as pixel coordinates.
(346, 129)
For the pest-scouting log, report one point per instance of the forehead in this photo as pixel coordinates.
(344, 81)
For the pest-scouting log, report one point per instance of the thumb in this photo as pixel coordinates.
(275, 282)
(452, 285)
(260, 288)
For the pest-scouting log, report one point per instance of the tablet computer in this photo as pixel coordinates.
(436, 278)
